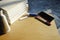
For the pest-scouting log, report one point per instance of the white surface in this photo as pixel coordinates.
(4, 3)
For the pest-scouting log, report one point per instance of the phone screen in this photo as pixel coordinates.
(46, 16)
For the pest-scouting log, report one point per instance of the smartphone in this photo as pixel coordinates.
(46, 16)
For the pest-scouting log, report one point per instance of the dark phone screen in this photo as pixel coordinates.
(46, 16)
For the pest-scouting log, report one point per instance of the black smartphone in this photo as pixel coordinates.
(46, 16)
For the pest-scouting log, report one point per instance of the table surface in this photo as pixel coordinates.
(31, 29)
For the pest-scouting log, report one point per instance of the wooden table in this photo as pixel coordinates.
(31, 29)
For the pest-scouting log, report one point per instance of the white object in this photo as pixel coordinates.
(15, 9)
(23, 17)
